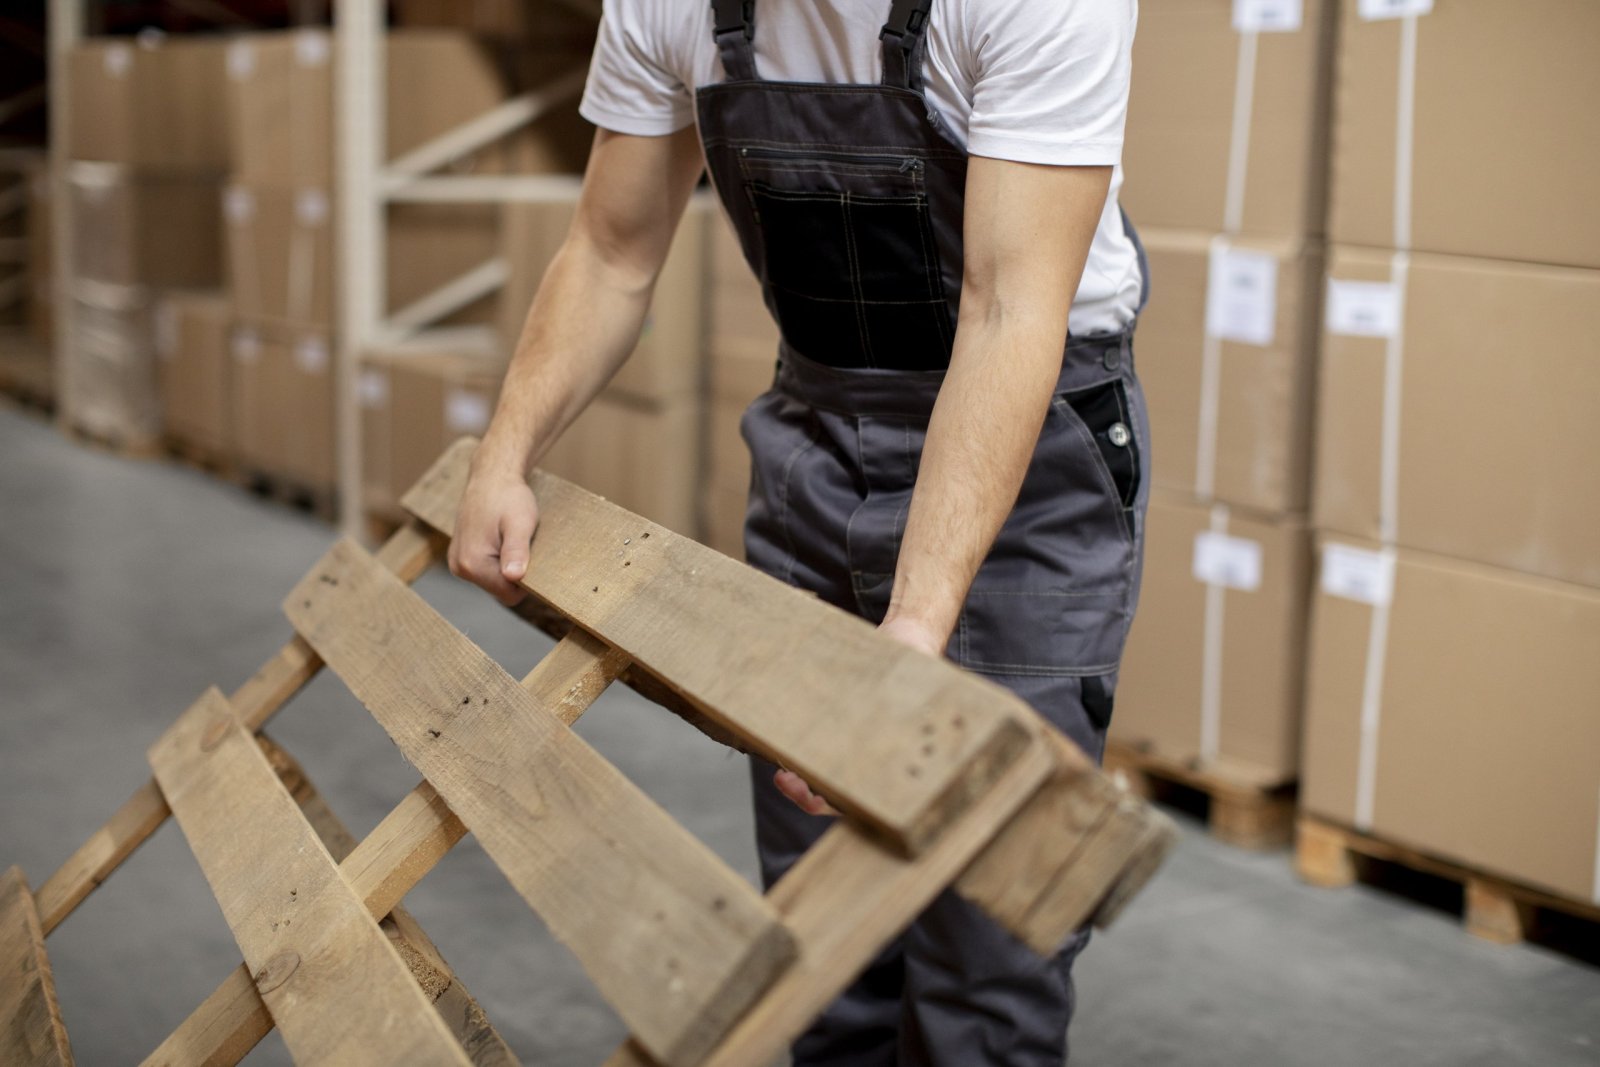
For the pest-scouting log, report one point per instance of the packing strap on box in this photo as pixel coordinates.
(1221, 562)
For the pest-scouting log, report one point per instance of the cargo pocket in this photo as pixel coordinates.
(1104, 412)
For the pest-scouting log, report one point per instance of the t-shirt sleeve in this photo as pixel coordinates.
(1050, 79)
(632, 87)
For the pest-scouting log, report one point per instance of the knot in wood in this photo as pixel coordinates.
(277, 971)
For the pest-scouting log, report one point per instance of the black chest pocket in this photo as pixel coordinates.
(849, 255)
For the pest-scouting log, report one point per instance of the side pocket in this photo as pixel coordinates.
(1105, 412)
(1099, 695)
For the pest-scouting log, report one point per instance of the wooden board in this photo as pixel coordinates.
(676, 941)
(845, 899)
(895, 739)
(408, 553)
(399, 852)
(335, 985)
(31, 1031)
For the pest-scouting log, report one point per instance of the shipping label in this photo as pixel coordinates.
(1364, 309)
(1372, 10)
(1357, 573)
(1231, 562)
(1267, 16)
(1242, 298)
(466, 412)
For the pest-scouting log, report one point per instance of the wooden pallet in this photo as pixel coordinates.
(26, 373)
(124, 445)
(1493, 908)
(321, 501)
(207, 459)
(1242, 809)
(944, 778)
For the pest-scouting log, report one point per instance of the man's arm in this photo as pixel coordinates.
(1026, 232)
(584, 322)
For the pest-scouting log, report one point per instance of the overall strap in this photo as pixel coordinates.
(733, 24)
(903, 42)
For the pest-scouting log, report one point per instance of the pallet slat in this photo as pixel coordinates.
(399, 852)
(675, 940)
(938, 736)
(335, 985)
(31, 1031)
(408, 553)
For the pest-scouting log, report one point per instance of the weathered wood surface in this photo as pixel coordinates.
(31, 1031)
(335, 985)
(676, 941)
(398, 854)
(408, 553)
(901, 744)
(844, 900)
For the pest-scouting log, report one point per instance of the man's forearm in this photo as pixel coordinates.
(582, 326)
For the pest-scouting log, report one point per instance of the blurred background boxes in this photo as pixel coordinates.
(1464, 724)
(133, 228)
(282, 405)
(193, 332)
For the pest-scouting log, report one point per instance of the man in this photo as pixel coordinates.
(973, 483)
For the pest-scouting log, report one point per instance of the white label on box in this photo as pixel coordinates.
(239, 205)
(1394, 9)
(241, 60)
(466, 412)
(150, 38)
(1363, 309)
(1357, 573)
(311, 355)
(246, 346)
(118, 60)
(372, 389)
(1242, 296)
(1267, 16)
(311, 207)
(311, 48)
(1231, 562)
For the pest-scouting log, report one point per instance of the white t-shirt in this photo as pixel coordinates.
(1035, 81)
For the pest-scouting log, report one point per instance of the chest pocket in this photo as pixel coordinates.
(849, 254)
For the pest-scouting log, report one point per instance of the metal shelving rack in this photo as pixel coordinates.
(364, 187)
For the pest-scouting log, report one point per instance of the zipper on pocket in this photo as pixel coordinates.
(905, 164)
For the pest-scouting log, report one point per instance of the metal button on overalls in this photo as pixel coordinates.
(847, 201)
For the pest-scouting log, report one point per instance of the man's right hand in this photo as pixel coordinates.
(494, 529)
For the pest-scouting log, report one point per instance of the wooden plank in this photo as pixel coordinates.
(1037, 855)
(403, 848)
(334, 984)
(411, 550)
(895, 739)
(31, 1031)
(844, 900)
(675, 940)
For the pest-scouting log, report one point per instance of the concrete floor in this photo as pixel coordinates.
(128, 587)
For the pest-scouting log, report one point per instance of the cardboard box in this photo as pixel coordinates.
(374, 397)
(1479, 689)
(281, 101)
(1497, 410)
(1516, 180)
(280, 252)
(435, 399)
(741, 325)
(160, 230)
(282, 403)
(1232, 328)
(724, 515)
(1189, 115)
(40, 297)
(643, 457)
(193, 336)
(1214, 663)
(154, 103)
(669, 362)
(110, 381)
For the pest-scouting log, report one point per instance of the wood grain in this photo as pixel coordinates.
(31, 1031)
(897, 740)
(399, 852)
(676, 941)
(410, 551)
(334, 983)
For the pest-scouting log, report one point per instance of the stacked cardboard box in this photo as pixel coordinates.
(193, 337)
(1226, 164)
(278, 217)
(1453, 682)
(743, 353)
(40, 297)
(640, 443)
(149, 152)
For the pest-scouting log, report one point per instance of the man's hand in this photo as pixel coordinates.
(494, 528)
(907, 631)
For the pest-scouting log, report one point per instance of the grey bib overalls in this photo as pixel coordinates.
(847, 201)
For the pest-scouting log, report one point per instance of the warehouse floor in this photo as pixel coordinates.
(129, 587)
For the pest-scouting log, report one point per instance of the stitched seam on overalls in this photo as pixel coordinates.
(934, 274)
(1033, 671)
(855, 282)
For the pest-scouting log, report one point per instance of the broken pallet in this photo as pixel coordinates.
(949, 780)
